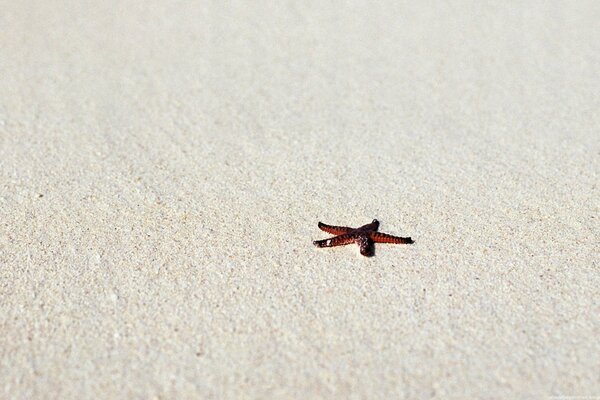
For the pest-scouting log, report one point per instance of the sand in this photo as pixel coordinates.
(163, 167)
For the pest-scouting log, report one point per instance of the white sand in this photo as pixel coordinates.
(185, 154)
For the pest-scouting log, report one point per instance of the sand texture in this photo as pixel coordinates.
(163, 167)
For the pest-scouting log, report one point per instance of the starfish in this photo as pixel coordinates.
(364, 236)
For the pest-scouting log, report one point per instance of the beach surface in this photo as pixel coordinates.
(164, 165)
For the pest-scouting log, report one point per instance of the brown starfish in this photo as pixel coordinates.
(365, 237)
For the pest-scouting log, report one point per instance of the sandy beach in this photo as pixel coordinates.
(164, 165)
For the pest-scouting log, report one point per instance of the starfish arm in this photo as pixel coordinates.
(336, 241)
(366, 246)
(379, 237)
(334, 230)
(373, 226)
